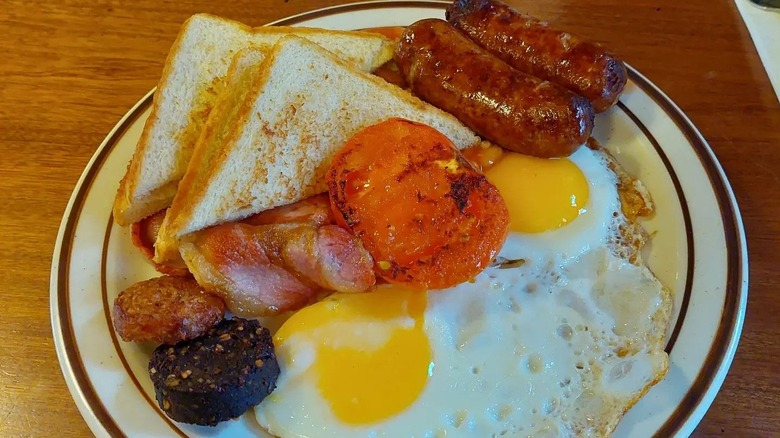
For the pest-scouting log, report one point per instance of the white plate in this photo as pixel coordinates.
(698, 251)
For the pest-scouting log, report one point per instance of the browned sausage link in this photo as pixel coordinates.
(165, 310)
(530, 46)
(512, 109)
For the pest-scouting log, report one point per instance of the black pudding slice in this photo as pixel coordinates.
(217, 376)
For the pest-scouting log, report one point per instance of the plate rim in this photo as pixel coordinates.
(703, 389)
(738, 274)
(80, 387)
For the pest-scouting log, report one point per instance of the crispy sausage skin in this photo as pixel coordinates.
(165, 310)
(530, 46)
(512, 109)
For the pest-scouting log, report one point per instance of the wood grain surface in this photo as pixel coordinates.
(70, 69)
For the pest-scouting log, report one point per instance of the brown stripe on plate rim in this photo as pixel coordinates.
(359, 6)
(107, 312)
(734, 262)
(63, 281)
(686, 219)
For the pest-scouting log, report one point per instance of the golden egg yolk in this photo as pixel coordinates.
(372, 357)
(541, 194)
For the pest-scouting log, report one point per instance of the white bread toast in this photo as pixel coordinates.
(192, 78)
(271, 140)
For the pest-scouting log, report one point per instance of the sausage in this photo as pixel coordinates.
(165, 310)
(530, 46)
(512, 109)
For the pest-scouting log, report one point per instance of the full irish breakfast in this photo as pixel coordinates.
(395, 232)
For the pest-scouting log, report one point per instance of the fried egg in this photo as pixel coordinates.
(559, 338)
(354, 359)
(578, 195)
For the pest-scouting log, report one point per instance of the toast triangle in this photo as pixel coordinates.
(191, 80)
(282, 134)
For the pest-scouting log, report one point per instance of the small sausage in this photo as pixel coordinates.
(530, 46)
(512, 109)
(165, 310)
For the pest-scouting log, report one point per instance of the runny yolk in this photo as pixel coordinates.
(372, 357)
(541, 194)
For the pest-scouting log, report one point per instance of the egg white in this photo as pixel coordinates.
(589, 230)
(514, 354)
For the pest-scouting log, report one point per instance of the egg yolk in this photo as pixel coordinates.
(372, 357)
(541, 194)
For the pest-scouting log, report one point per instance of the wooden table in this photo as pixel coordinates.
(69, 70)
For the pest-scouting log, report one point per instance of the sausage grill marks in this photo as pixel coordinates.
(532, 46)
(165, 310)
(512, 109)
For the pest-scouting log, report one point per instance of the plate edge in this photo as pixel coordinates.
(725, 361)
(59, 272)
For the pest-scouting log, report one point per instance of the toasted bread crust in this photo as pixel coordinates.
(299, 169)
(128, 208)
(207, 156)
(133, 201)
